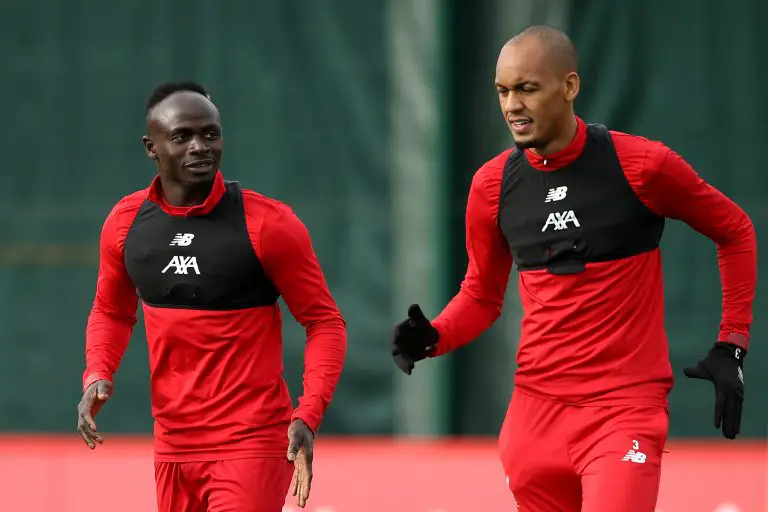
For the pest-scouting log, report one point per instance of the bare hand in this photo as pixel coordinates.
(301, 442)
(94, 398)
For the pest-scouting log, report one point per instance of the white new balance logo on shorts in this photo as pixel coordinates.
(556, 194)
(182, 239)
(635, 455)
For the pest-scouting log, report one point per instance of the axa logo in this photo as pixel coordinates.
(182, 239)
(182, 264)
(556, 194)
(560, 220)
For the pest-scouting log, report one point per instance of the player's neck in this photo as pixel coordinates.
(177, 195)
(559, 143)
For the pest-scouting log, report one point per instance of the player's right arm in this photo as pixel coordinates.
(481, 296)
(111, 320)
(479, 301)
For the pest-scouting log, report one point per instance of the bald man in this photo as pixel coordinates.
(209, 260)
(580, 211)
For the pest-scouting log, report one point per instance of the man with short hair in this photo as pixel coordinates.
(580, 210)
(209, 260)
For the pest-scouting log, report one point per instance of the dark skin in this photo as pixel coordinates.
(94, 398)
(185, 141)
(534, 87)
(301, 446)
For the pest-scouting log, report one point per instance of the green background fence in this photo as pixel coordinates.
(369, 118)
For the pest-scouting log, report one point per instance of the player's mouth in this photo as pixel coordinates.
(520, 125)
(201, 166)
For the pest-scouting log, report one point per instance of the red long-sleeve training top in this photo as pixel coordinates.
(217, 387)
(598, 337)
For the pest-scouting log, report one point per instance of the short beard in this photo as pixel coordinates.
(533, 143)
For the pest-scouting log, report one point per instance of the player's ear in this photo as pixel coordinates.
(571, 86)
(149, 147)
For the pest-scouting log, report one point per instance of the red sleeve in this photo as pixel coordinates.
(670, 187)
(113, 314)
(481, 296)
(285, 250)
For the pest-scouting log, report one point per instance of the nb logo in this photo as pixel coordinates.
(635, 455)
(182, 264)
(556, 194)
(182, 239)
(560, 220)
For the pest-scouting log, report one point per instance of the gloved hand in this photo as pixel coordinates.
(413, 340)
(723, 366)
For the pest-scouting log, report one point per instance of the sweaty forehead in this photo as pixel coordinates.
(525, 60)
(182, 109)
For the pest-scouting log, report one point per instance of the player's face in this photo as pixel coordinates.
(185, 139)
(535, 99)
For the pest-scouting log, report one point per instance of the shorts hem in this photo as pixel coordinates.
(216, 456)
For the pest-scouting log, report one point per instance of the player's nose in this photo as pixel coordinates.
(198, 146)
(512, 104)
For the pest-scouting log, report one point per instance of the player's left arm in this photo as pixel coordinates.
(290, 262)
(672, 188)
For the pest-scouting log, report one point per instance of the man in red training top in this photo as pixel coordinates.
(580, 210)
(209, 261)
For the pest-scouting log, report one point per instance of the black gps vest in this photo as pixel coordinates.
(584, 212)
(198, 262)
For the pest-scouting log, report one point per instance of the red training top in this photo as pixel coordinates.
(216, 376)
(598, 337)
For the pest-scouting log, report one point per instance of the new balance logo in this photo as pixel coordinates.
(560, 220)
(182, 264)
(634, 454)
(556, 194)
(182, 239)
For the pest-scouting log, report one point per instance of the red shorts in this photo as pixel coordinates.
(236, 485)
(567, 458)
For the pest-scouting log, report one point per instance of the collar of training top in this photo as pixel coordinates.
(563, 157)
(217, 191)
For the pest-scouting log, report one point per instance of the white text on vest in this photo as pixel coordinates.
(560, 220)
(182, 264)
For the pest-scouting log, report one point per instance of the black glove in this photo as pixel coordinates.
(413, 339)
(723, 367)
